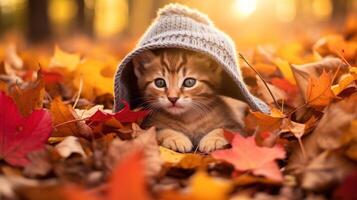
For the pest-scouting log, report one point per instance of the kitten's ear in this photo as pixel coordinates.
(141, 60)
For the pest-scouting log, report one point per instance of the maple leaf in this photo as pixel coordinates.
(30, 97)
(145, 141)
(304, 72)
(66, 120)
(125, 115)
(245, 155)
(64, 59)
(266, 122)
(319, 93)
(95, 81)
(21, 135)
(129, 175)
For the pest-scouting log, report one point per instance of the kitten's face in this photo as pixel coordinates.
(176, 81)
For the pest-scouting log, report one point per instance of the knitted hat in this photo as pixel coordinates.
(178, 26)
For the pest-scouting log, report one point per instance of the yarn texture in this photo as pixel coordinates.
(178, 26)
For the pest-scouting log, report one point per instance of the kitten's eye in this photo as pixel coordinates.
(160, 83)
(189, 82)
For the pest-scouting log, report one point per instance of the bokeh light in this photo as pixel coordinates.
(244, 8)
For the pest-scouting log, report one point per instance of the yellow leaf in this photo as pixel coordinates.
(64, 59)
(96, 81)
(169, 156)
(209, 188)
(345, 81)
(201, 186)
(285, 69)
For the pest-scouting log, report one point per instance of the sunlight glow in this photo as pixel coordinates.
(61, 12)
(111, 17)
(245, 8)
(286, 10)
(322, 9)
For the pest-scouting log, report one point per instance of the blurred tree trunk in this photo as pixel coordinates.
(141, 13)
(80, 19)
(38, 21)
(339, 10)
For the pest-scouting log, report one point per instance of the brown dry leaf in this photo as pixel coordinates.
(325, 171)
(145, 141)
(29, 97)
(303, 73)
(70, 145)
(66, 122)
(64, 59)
(327, 135)
(319, 93)
(349, 138)
(247, 179)
(322, 164)
(297, 129)
(41, 162)
(194, 161)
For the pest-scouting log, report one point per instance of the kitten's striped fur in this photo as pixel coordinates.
(198, 115)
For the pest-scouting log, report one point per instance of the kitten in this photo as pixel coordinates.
(181, 87)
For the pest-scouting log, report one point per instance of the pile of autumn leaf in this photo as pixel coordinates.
(59, 139)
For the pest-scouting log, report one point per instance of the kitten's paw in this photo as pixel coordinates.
(212, 141)
(178, 143)
(174, 140)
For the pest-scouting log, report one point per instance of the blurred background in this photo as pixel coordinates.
(249, 22)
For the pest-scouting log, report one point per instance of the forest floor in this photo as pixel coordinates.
(60, 140)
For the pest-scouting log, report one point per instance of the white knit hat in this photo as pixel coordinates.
(178, 26)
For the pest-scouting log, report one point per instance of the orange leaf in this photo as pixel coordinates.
(66, 121)
(77, 193)
(268, 122)
(246, 155)
(128, 179)
(319, 93)
(30, 97)
(126, 182)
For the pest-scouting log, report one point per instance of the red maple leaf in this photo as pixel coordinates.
(51, 77)
(21, 135)
(126, 182)
(246, 155)
(125, 115)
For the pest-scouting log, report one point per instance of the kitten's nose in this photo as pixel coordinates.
(173, 99)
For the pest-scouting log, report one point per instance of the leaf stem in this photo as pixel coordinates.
(70, 121)
(261, 77)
